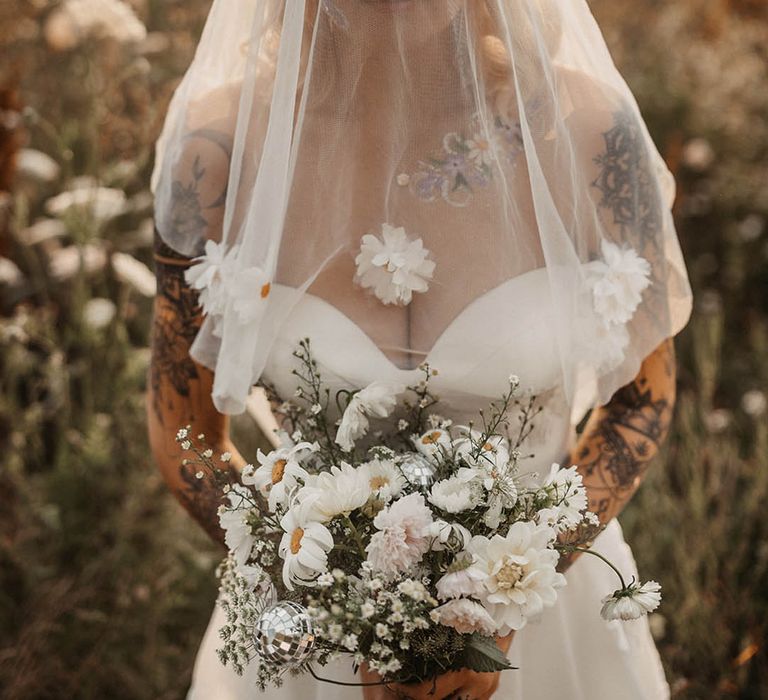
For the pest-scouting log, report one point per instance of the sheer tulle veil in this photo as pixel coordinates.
(324, 145)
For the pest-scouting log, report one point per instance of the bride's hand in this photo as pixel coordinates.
(464, 684)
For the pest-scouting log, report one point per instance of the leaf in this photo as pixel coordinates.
(482, 655)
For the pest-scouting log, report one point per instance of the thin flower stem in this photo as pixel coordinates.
(584, 550)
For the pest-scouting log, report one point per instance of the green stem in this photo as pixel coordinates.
(584, 550)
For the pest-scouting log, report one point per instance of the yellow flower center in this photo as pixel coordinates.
(278, 469)
(265, 290)
(509, 576)
(431, 438)
(298, 533)
(379, 482)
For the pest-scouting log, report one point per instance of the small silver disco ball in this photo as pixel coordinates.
(418, 470)
(284, 634)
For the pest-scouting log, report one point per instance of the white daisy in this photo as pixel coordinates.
(384, 478)
(304, 546)
(393, 266)
(434, 443)
(279, 473)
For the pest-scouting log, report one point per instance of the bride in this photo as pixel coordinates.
(467, 183)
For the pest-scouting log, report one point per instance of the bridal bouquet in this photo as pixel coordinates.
(392, 535)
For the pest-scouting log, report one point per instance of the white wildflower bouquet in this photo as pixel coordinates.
(393, 536)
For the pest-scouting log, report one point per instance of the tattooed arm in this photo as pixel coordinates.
(621, 438)
(180, 392)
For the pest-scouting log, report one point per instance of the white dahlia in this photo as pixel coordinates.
(519, 573)
(453, 495)
(403, 535)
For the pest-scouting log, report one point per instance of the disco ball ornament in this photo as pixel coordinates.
(418, 470)
(285, 634)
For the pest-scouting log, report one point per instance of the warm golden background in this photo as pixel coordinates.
(105, 585)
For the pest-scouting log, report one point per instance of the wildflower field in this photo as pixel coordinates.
(105, 589)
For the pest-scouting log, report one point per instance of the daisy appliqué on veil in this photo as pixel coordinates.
(393, 266)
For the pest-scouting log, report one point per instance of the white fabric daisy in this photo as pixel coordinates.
(617, 282)
(209, 275)
(393, 266)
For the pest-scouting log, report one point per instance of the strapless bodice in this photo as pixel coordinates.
(473, 364)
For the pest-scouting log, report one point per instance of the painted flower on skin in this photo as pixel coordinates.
(377, 399)
(632, 602)
(279, 473)
(393, 266)
(403, 535)
(304, 546)
(465, 616)
(520, 579)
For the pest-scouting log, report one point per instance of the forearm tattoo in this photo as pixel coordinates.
(615, 450)
(177, 320)
(172, 374)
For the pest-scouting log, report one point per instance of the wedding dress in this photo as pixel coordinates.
(571, 653)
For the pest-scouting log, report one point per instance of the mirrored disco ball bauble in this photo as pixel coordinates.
(284, 634)
(419, 471)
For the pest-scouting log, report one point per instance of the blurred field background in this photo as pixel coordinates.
(105, 587)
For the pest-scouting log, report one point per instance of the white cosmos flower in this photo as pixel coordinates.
(304, 546)
(279, 473)
(519, 573)
(403, 535)
(453, 495)
(377, 399)
(331, 493)
(617, 282)
(393, 266)
(569, 497)
(465, 616)
(632, 602)
(384, 478)
(233, 518)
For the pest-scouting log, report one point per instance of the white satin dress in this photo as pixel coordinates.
(571, 653)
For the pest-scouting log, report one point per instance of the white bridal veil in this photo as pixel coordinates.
(402, 158)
